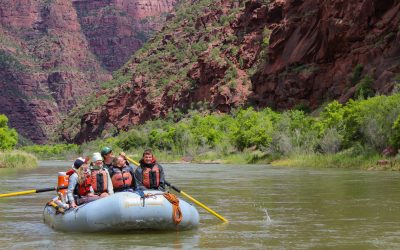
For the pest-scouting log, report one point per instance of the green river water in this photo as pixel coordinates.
(268, 208)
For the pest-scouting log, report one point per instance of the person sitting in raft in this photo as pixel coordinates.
(150, 174)
(100, 177)
(80, 190)
(108, 157)
(122, 176)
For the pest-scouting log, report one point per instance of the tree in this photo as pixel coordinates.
(8, 137)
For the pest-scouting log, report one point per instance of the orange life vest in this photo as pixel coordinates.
(151, 177)
(121, 178)
(99, 181)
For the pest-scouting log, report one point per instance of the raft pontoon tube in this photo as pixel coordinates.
(123, 211)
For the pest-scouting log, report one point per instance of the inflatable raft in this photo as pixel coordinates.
(123, 211)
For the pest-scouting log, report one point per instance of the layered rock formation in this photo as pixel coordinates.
(117, 28)
(280, 54)
(46, 62)
(315, 47)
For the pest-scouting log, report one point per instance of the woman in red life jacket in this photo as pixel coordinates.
(79, 187)
(122, 176)
(150, 174)
(100, 177)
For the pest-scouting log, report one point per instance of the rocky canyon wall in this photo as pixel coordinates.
(53, 54)
(278, 54)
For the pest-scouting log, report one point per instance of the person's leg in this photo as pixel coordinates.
(87, 199)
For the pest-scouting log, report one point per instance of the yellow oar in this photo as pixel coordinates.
(187, 196)
(197, 202)
(31, 191)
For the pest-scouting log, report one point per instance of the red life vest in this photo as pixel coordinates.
(99, 181)
(84, 188)
(151, 177)
(121, 178)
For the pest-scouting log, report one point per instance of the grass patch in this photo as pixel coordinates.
(339, 160)
(17, 159)
(53, 152)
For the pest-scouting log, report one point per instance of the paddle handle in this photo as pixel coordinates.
(173, 187)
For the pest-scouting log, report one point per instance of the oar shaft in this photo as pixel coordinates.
(18, 193)
(204, 206)
(197, 202)
(45, 190)
(32, 191)
(132, 160)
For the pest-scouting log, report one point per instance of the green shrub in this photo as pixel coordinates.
(395, 137)
(364, 88)
(132, 139)
(371, 121)
(17, 159)
(253, 129)
(8, 137)
(295, 132)
(356, 76)
(56, 151)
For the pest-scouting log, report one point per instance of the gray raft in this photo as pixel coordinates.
(123, 211)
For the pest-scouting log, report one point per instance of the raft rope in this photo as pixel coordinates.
(56, 207)
(176, 210)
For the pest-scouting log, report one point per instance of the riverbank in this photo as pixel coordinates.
(365, 160)
(17, 159)
(372, 161)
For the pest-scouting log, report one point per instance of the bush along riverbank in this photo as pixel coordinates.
(17, 159)
(358, 134)
(10, 158)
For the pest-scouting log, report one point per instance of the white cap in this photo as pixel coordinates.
(97, 157)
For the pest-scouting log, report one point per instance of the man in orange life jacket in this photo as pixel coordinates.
(150, 174)
(122, 176)
(80, 190)
(100, 177)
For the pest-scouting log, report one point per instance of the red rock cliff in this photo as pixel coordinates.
(302, 52)
(46, 64)
(117, 28)
(316, 45)
(46, 54)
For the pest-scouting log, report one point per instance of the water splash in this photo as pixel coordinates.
(267, 218)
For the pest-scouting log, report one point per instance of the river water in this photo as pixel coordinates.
(267, 208)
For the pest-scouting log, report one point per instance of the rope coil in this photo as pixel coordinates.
(176, 210)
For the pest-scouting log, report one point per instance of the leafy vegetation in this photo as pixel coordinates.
(8, 137)
(56, 151)
(342, 135)
(17, 159)
(8, 140)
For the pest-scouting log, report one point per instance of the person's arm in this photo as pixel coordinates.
(162, 177)
(139, 178)
(73, 181)
(134, 185)
(110, 189)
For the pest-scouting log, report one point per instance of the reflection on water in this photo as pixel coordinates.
(267, 208)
